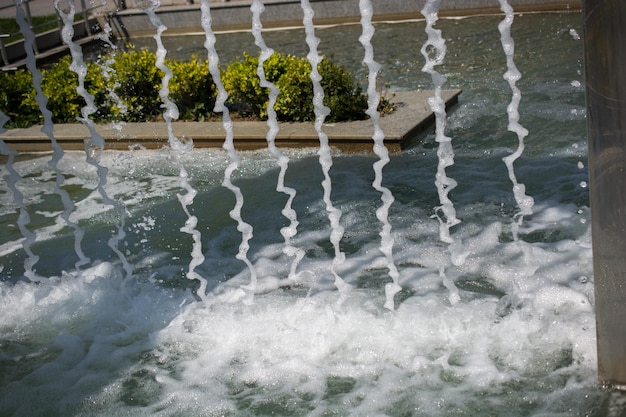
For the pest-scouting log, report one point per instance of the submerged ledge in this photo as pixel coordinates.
(401, 128)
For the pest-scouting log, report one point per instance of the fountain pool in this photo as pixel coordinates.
(484, 326)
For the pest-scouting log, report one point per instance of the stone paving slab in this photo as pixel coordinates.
(401, 128)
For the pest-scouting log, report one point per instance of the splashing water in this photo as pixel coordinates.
(386, 243)
(519, 341)
(105, 36)
(434, 51)
(325, 157)
(288, 232)
(512, 75)
(94, 144)
(220, 106)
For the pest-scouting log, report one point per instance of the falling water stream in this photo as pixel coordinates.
(325, 157)
(373, 100)
(512, 75)
(57, 154)
(289, 231)
(434, 52)
(509, 331)
(94, 143)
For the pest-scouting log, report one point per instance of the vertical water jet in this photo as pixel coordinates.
(288, 232)
(94, 143)
(177, 146)
(244, 228)
(512, 75)
(373, 100)
(434, 52)
(23, 219)
(325, 157)
(48, 127)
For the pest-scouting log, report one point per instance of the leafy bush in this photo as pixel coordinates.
(342, 94)
(136, 80)
(243, 85)
(18, 101)
(59, 85)
(126, 86)
(192, 88)
(15, 87)
(131, 75)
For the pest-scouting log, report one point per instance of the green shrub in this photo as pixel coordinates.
(18, 101)
(59, 85)
(136, 80)
(342, 94)
(15, 87)
(192, 88)
(295, 97)
(133, 76)
(243, 85)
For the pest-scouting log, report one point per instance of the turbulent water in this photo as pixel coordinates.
(485, 326)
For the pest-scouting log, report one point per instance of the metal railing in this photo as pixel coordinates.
(8, 38)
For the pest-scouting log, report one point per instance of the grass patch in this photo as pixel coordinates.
(41, 24)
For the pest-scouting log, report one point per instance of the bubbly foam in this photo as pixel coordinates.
(508, 331)
(93, 343)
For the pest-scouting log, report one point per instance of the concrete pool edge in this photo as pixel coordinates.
(412, 117)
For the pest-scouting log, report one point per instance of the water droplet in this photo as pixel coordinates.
(574, 34)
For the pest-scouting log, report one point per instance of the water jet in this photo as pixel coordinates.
(518, 338)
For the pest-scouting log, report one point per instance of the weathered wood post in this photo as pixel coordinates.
(605, 66)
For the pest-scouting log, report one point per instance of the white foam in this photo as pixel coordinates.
(138, 342)
(520, 336)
